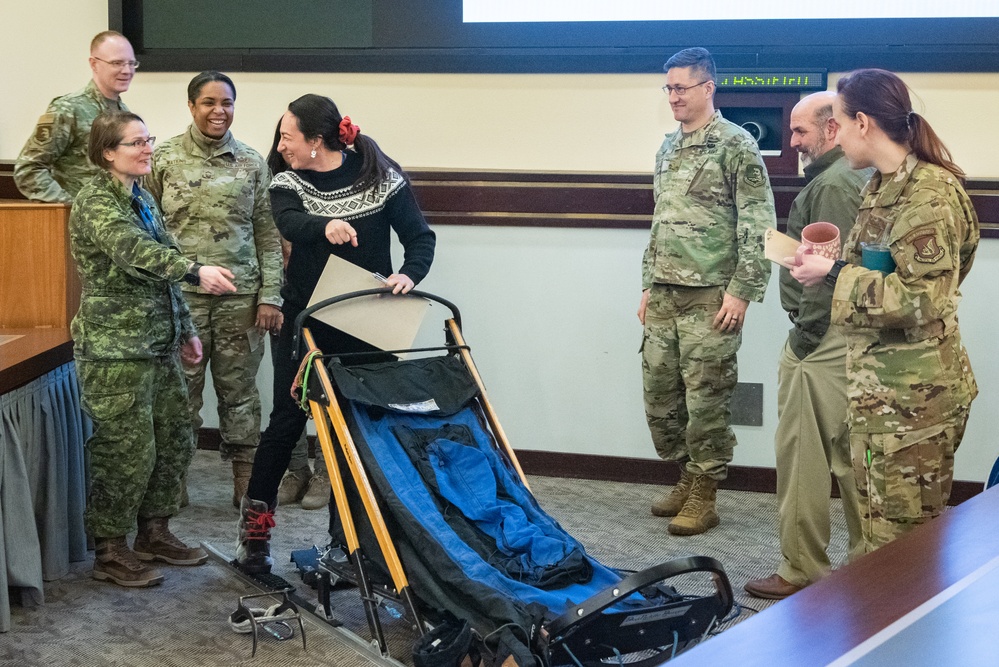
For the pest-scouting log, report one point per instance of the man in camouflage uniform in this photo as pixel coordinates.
(812, 437)
(703, 265)
(213, 193)
(53, 164)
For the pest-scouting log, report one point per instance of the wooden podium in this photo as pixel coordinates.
(39, 286)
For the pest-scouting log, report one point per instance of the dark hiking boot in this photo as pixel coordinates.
(672, 503)
(253, 551)
(114, 561)
(698, 513)
(155, 542)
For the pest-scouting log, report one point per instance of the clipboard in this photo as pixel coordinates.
(387, 321)
(777, 246)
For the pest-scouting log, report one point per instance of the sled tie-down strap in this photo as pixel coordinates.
(302, 380)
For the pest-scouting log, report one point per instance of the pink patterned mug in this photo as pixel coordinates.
(819, 238)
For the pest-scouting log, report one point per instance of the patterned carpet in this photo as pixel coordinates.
(183, 623)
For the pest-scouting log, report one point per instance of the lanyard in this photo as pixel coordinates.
(145, 215)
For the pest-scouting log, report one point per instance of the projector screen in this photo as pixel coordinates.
(558, 35)
(517, 11)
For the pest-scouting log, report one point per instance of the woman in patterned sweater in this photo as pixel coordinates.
(341, 196)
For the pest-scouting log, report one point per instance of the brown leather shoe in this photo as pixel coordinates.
(774, 587)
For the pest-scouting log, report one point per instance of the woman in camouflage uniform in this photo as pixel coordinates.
(910, 381)
(130, 334)
(212, 189)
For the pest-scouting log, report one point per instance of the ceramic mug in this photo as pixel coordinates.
(819, 238)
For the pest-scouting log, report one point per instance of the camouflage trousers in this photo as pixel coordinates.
(689, 373)
(142, 441)
(904, 479)
(234, 347)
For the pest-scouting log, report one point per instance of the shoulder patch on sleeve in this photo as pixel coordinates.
(754, 175)
(43, 130)
(925, 244)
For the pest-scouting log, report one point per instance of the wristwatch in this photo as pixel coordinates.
(192, 277)
(834, 272)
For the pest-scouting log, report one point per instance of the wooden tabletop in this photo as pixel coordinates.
(33, 353)
(826, 620)
(24, 203)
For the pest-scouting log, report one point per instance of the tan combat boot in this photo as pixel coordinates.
(698, 513)
(240, 480)
(672, 503)
(114, 561)
(318, 494)
(293, 486)
(155, 542)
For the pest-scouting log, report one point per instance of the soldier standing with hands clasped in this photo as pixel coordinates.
(703, 265)
(212, 189)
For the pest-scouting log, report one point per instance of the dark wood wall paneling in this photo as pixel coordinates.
(7, 188)
(614, 201)
(564, 199)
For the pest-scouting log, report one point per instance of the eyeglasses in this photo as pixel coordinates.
(682, 90)
(119, 64)
(139, 143)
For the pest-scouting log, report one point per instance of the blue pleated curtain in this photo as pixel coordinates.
(42, 485)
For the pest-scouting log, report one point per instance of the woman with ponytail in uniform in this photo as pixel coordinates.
(910, 382)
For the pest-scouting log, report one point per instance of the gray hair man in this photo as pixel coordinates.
(812, 438)
(53, 165)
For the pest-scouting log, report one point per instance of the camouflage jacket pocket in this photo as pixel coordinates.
(905, 386)
(124, 327)
(709, 184)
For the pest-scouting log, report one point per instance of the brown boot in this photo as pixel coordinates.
(114, 561)
(698, 513)
(672, 503)
(240, 480)
(253, 551)
(317, 496)
(155, 542)
(293, 486)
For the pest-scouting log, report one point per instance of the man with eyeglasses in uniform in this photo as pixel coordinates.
(703, 265)
(53, 165)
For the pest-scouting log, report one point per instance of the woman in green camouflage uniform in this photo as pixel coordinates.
(130, 334)
(910, 381)
(212, 189)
